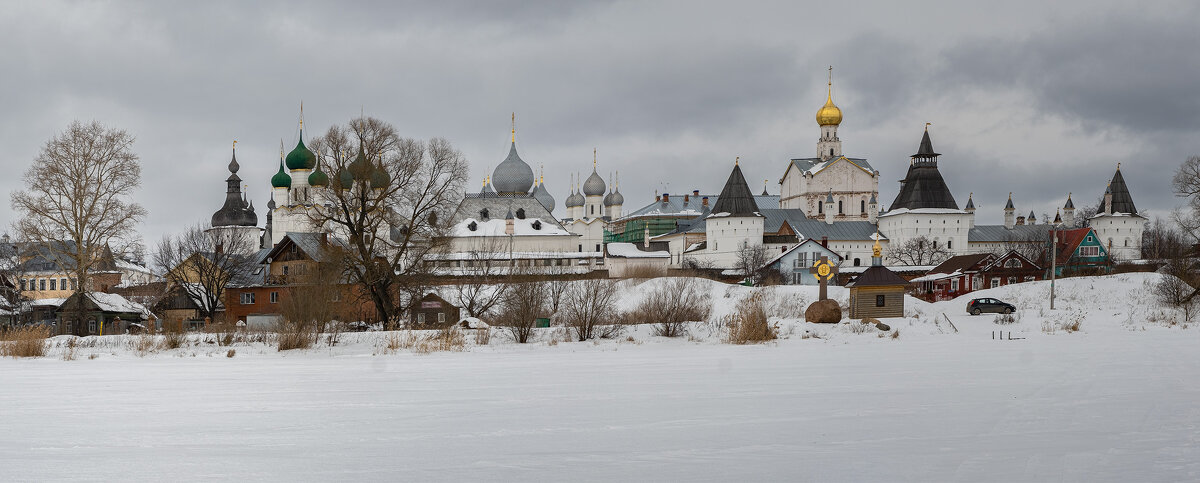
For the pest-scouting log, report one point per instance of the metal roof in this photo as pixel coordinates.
(812, 165)
(736, 197)
(1122, 202)
(1018, 233)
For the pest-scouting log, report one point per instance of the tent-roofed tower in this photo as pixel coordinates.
(735, 221)
(923, 185)
(925, 209)
(1117, 221)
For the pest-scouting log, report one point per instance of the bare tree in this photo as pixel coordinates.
(557, 284)
(77, 200)
(202, 263)
(309, 303)
(589, 306)
(1176, 287)
(483, 283)
(391, 199)
(1161, 241)
(751, 262)
(522, 305)
(1084, 214)
(918, 251)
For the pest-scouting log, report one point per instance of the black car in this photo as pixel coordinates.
(979, 306)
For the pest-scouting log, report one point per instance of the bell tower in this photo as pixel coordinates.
(829, 117)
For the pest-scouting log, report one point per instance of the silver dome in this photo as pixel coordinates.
(513, 176)
(544, 197)
(594, 185)
(617, 198)
(574, 200)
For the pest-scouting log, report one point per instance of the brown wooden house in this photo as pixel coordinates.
(967, 273)
(877, 292)
(432, 311)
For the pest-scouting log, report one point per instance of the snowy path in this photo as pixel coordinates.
(1066, 407)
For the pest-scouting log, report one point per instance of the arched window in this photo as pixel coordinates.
(862, 206)
(820, 208)
(949, 244)
(857, 262)
(840, 207)
(831, 151)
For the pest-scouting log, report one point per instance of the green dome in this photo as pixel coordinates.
(360, 167)
(281, 179)
(380, 179)
(318, 178)
(345, 179)
(301, 157)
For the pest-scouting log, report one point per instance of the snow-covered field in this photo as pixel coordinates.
(1113, 401)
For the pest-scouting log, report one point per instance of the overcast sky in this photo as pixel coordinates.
(1037, 98)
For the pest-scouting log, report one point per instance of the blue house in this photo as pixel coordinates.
(1079, 251)
(793, 264)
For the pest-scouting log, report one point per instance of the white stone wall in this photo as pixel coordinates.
(850, 184)
(591, 234)
(942, 228)
(1121, 234)
(727, 234)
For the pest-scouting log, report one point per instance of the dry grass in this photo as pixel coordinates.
(483, 336)
(144, 344)
(858, 327)
(296, 336)
(231, 353)
(449, 339)
(749, 323)
(27, 341)
(69, 350)
(644, 272)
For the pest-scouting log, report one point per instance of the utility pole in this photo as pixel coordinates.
(1053, 262)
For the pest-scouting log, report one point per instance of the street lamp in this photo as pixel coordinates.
(1054, 255)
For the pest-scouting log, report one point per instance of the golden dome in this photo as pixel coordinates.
(829, 114)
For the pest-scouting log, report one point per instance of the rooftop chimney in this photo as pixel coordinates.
(666, 198)
(695, 192)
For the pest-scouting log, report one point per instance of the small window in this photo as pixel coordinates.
(92, 327)
(420, 318)
(880, 300)
(862, 206)
(23, 284)
(54, 284)
(995, 282)
(1012, 280)
(62, 283)
(41, 284)
(247, 298)
(949, 244)
(857, 262)
(1089, 238)
(441, 317)
(954, 285)
(285, 269)
(840, 207)
(274, 297)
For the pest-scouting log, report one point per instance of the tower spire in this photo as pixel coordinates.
(593, 159)
(514, 127)
(829, 89)
(301, 117)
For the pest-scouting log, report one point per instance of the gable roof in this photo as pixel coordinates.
(962, 263)
(1069, 240)
(736, 197)
(837, 258)
(312, 244)
(815, 165)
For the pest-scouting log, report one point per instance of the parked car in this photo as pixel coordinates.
(978, 306)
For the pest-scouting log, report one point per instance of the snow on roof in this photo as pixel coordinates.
(507, 256)
(935, 276)
(894, 268)
(924, 211)
(497, 227)
(629, 250)
(111, 302)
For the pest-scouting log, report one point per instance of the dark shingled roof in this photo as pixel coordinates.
(736, 197)
(1122, 202)
(877, 276)
(923, 186)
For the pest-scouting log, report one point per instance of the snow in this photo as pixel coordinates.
(923, 211)
(1111, 402)
(111, 302)
(628, 250)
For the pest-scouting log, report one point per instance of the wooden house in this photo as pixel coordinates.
(432, 311)
(793, 264)
(1079, 251)
(966, 273)
(103, 314)
(877, 292)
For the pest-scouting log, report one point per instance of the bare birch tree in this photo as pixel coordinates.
(76, 199)
(391, 198)
(203, 263)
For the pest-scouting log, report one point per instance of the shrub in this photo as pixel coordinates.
(27, 341)
(672, 304)
(449, 339)
(483, 336)
(587, 306)
(1004, 319)
(749, 323)
(296, 336)
(231, 353)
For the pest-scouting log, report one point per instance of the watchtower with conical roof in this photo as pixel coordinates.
(735, 222)
(1117, 221)
(924, 210)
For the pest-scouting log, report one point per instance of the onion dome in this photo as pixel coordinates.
(617, 198)
(235, 211)
(301, 157)
(574, 200)
(829, 114)
(345, 179)
(513, 176)
(594, 185)
(318, 178)
(281, 179)
(543, 196)
(379, 178)
(360, 168)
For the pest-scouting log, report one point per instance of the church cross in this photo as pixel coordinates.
(824, 270)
